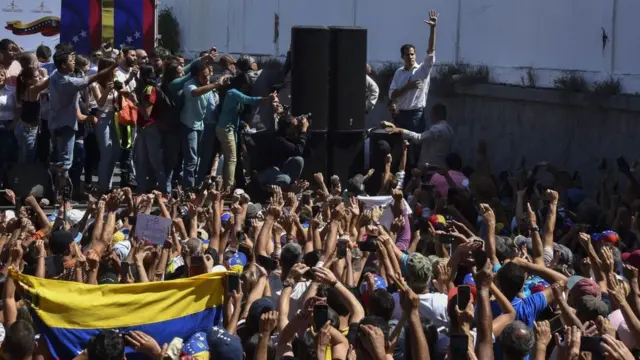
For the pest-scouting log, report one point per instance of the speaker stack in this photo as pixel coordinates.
(328, 80)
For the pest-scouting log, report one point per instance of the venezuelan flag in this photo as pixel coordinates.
(81, 24)
(70, 313)
(129, 23)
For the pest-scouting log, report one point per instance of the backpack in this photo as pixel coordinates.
(127, 114)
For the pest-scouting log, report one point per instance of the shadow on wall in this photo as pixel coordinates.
(570, 131)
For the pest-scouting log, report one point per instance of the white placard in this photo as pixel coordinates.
(153, 228)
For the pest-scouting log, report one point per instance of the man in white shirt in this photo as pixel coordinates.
(127, 72)
(436, 141)
(371, 91)
(410, 83)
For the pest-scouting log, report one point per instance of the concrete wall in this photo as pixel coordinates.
(571, 131)
(509, 36)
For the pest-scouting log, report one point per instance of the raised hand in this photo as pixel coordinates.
(433, 18)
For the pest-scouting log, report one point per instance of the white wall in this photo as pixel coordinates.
(509, 36)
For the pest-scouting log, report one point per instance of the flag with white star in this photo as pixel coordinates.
(81, 24)
(133, 23)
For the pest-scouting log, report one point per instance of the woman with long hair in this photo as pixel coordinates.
(229, 121)
(30, 83)
(105, 96)
(149, 141)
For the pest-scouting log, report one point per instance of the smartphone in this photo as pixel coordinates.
(593, 345)
(446, 239)
(369, 245)
(267, 262)
(459, 344)
(341, 250)
(320, 316)
(556, 324)
(464, 296)
(233, 283)
(480, 258)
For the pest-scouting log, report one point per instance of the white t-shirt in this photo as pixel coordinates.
(108, 105)
(122, 75)
(432, 306)
(7, 103)
(298, 291)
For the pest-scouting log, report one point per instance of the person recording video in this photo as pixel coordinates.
(282, 159)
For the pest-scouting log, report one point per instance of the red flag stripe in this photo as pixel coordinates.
(95, 23)
(148, 24)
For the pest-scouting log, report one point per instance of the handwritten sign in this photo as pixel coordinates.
(153, 228)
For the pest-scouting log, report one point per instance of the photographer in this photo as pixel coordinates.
(283, 157)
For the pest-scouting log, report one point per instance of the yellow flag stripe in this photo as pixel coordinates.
(107, 20)
(71, 305)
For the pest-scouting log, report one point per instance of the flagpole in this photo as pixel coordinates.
(155, 23)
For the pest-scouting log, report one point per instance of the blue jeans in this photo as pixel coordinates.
(190, 142)
(75, 173)
(149, 163)
(64, 139)
(27, 142)
(411, 120)
(109, 148)
(171, 154)
(206, 151)
(286, 174)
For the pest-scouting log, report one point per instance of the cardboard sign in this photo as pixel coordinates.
(153, 228)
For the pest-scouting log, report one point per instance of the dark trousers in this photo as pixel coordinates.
(126, 159)
(43, 143)
(412, 120)
(91, 158)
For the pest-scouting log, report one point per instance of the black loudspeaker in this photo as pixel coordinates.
(31, 179)
(310, 66)
(348, 62)
(346, 154)
(316, 155)
(381, 142)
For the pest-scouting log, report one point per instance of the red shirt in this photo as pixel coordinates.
(148, 99)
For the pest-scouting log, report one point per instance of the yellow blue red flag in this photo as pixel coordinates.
(69, 314)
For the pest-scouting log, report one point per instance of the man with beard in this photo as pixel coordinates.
(127, 74)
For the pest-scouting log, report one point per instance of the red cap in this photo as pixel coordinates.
(453, 292)
(632, 258)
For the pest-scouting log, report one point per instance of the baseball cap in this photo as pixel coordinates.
(223, 345)
(609, 236)
(582, 287)
(632, 258)
(454, 292)
(237, 262)
(378, 283)
(196, 346)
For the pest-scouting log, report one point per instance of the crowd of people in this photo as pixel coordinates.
(444, 261)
